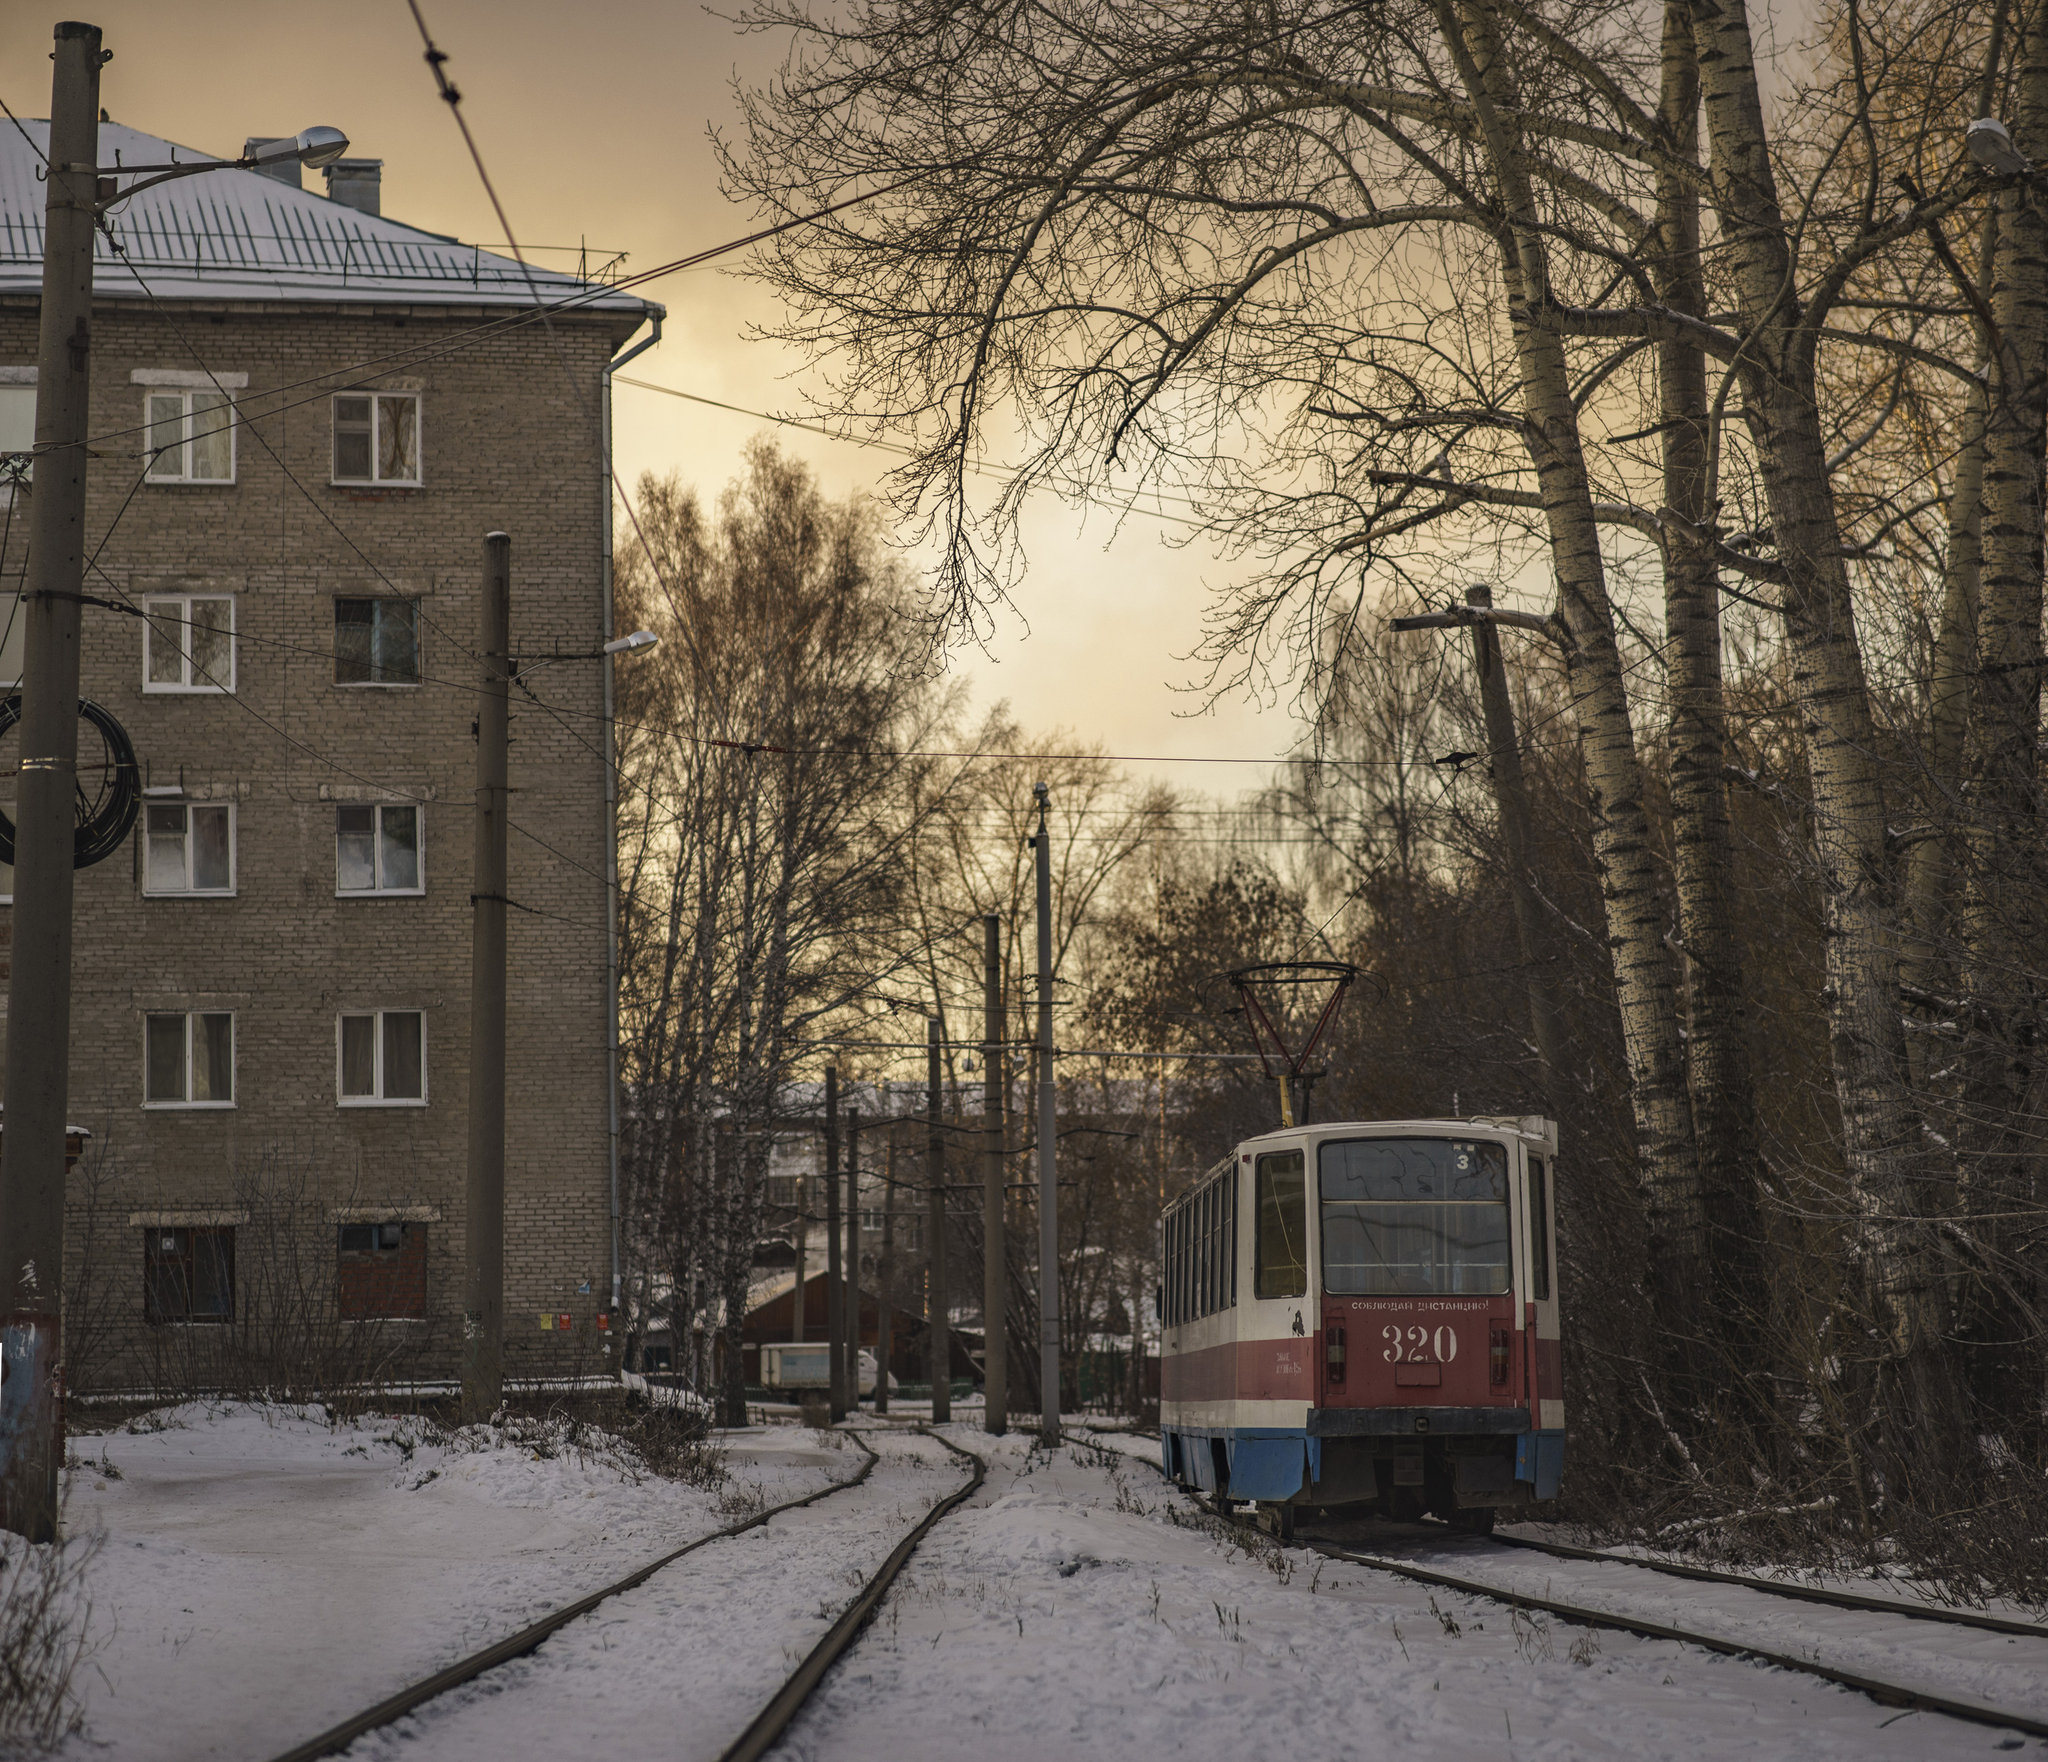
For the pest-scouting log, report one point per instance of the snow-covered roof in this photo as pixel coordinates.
(233, 234)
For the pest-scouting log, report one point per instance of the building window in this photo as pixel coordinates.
(13, 626)
(188, 847)
(384, 1059)
(377, 850)
(376, 642)
(191, 437)
(377, 438)
(188, 1275)
(383, 1272)
(188, 643)
(190, 1060)
(17, 438)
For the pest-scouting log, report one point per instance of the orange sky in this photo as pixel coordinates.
(593, 121)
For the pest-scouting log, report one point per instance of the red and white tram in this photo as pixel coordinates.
(1365, 1313)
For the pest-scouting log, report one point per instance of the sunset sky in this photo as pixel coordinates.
(593, 122)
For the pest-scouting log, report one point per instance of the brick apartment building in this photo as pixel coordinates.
(305, 419)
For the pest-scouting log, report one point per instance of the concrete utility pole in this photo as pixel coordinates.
(835, 1324)
(1504, 752)
(1048, 1167)
(39, 992)
(1510, 793)
(483, 1320)
(995, 1355)
(853, 1260)
(885, 1262)
(935, 1249)
(796, 1302)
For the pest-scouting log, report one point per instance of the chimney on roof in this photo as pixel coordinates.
(286, 171)
(357, 182)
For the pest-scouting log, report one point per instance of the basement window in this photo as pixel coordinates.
(384, 1059)
(377, 438)
(383, 1272)
(188, 1275)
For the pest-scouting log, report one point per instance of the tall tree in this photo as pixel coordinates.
(766, 802)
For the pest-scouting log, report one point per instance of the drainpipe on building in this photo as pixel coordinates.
(611, 823)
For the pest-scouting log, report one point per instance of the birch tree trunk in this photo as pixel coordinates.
(1897, 1246)
(1621, 834)
(1926, 962)
(2004, 896)
(1718, 1065)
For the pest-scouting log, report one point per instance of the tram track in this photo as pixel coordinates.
(1884, 1690)
(774, 1718)
(1832, 1599)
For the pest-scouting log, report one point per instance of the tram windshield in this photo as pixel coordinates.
(1414, 1216)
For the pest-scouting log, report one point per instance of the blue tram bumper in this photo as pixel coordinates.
(1276, 1464)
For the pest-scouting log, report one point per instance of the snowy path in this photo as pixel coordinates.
(265, 1576)
(1078, 1608)
(675, 1668)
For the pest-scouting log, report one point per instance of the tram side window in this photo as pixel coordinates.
(1539, 1226)
(1229, 1191)
(1281, 1268)
(1209, 1248)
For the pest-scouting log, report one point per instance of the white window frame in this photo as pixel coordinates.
(377, 402)
(234, 1076)
(379, 1098)
(13, 635)
(153, 632)
(188, 891)
(18, 387)
(153, 472)
(380, 891)
(378, 600)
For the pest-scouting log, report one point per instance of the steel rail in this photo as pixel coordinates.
(774, 1719)
(1995, 1624)
(1890, 1694)
(517, 1645)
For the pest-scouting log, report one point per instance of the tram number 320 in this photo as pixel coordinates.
(1417, 1345)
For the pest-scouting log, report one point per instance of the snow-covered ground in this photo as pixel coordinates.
(265, 1575)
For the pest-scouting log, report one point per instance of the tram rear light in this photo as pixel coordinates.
(1497, 1355)
(1333, 1353)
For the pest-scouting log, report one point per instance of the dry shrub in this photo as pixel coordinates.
(45, 1621)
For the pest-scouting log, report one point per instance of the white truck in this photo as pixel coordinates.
(803, 1364)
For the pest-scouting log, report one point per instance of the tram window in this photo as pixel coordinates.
(1414, 1216)
(1282, 1240)
(1539, 1226)
(1230, 1236)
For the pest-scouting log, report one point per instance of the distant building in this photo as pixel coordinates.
(305, 418)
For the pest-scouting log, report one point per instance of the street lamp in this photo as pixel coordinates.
(315, 147)
(1987, 142)
(39, 988)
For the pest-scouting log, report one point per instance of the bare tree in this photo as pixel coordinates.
(767, 797)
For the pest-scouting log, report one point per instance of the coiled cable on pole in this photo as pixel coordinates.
(105, 821)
